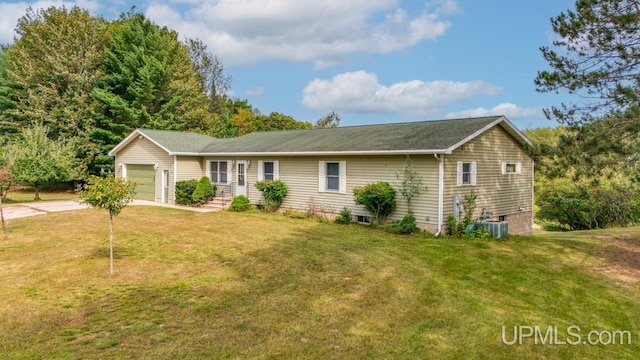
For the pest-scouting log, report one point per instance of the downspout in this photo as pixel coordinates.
(440, 192)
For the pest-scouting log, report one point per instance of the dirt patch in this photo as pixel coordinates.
(623, 259)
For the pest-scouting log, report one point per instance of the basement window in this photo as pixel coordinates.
(363, 219)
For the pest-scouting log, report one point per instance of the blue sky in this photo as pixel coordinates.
(371, 61)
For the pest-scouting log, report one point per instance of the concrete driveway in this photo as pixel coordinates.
(45, 207)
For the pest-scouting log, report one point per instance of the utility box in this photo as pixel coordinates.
(498, 229)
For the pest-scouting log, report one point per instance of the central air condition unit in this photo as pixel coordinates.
(499, 229)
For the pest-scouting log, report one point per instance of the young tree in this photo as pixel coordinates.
(36, 159)
(411, 185)
(108, 193)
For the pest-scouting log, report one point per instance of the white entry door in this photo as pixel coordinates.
(241, 178)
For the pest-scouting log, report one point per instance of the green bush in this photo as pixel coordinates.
(379, 199)
(344, 217)
(203, 192)
(405, 226)
(240, 203)
(579, 207)
(184, 192)
(273, 193)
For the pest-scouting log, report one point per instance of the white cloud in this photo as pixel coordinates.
(255, 91)
(511, 111)
(323, 31)
(10, 13)
(361, 92)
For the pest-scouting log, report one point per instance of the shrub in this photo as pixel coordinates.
(203, 192)
(579, 207)
(405, 226)
(379, 199)
(273, 192)
(344, 217)
(240, 203)
(184, 192)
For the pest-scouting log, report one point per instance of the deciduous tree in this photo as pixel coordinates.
(37, 159)
(111, 194)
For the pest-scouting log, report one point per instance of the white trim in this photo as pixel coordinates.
(175, 177)
(517, 171)
(473, 170)
(319, 153)
(165, 185)
(342, 188)
(124, 171)
(322, 176)
(132, 137)
(260, 170)
(508, 126)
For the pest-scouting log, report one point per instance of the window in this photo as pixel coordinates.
(219, 172)
(362, 219)
(466, 173)
(332, 176)
(511, 168)
(268, 170)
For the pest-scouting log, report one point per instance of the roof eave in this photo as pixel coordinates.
(132, 137)
(321, 153)
(511, 129)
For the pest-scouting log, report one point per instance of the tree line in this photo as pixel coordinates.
(88, 82)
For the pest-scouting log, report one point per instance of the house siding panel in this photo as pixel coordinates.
(509, 194)
(190, 167)
(143, 152)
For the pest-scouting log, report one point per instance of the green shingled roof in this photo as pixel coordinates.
(180, 142)
(421, 136)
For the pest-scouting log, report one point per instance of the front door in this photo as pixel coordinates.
(241, 178)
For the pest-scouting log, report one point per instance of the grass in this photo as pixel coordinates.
(26, 196)
(251, 285)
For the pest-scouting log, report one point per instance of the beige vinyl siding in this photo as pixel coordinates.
(503, 194)
(141, 151)
(190, 167)
(300, 174)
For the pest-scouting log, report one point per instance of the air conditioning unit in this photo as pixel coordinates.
(499, 229)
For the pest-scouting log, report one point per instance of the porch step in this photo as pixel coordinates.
(219, 202)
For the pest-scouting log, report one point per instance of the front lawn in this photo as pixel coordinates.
(250, 285)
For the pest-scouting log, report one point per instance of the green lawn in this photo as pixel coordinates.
(227, 285)
(26, 196)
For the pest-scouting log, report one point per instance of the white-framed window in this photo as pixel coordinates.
(332, 176)
(268, 170)
(219, 171)
(511, 168)
(466, 174)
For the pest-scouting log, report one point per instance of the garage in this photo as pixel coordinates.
(144, 176)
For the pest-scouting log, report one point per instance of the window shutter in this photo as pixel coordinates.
(473, 172)
(504, 167)
(343, 177)
(459, 177)
(276, 170)
(207, 166)
(322, 176)
(260, 170)
(518, 168)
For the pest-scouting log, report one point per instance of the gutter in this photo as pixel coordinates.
(440, 192)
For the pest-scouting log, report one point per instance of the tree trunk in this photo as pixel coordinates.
(111, 241)
(37, 196)
(4, 225)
